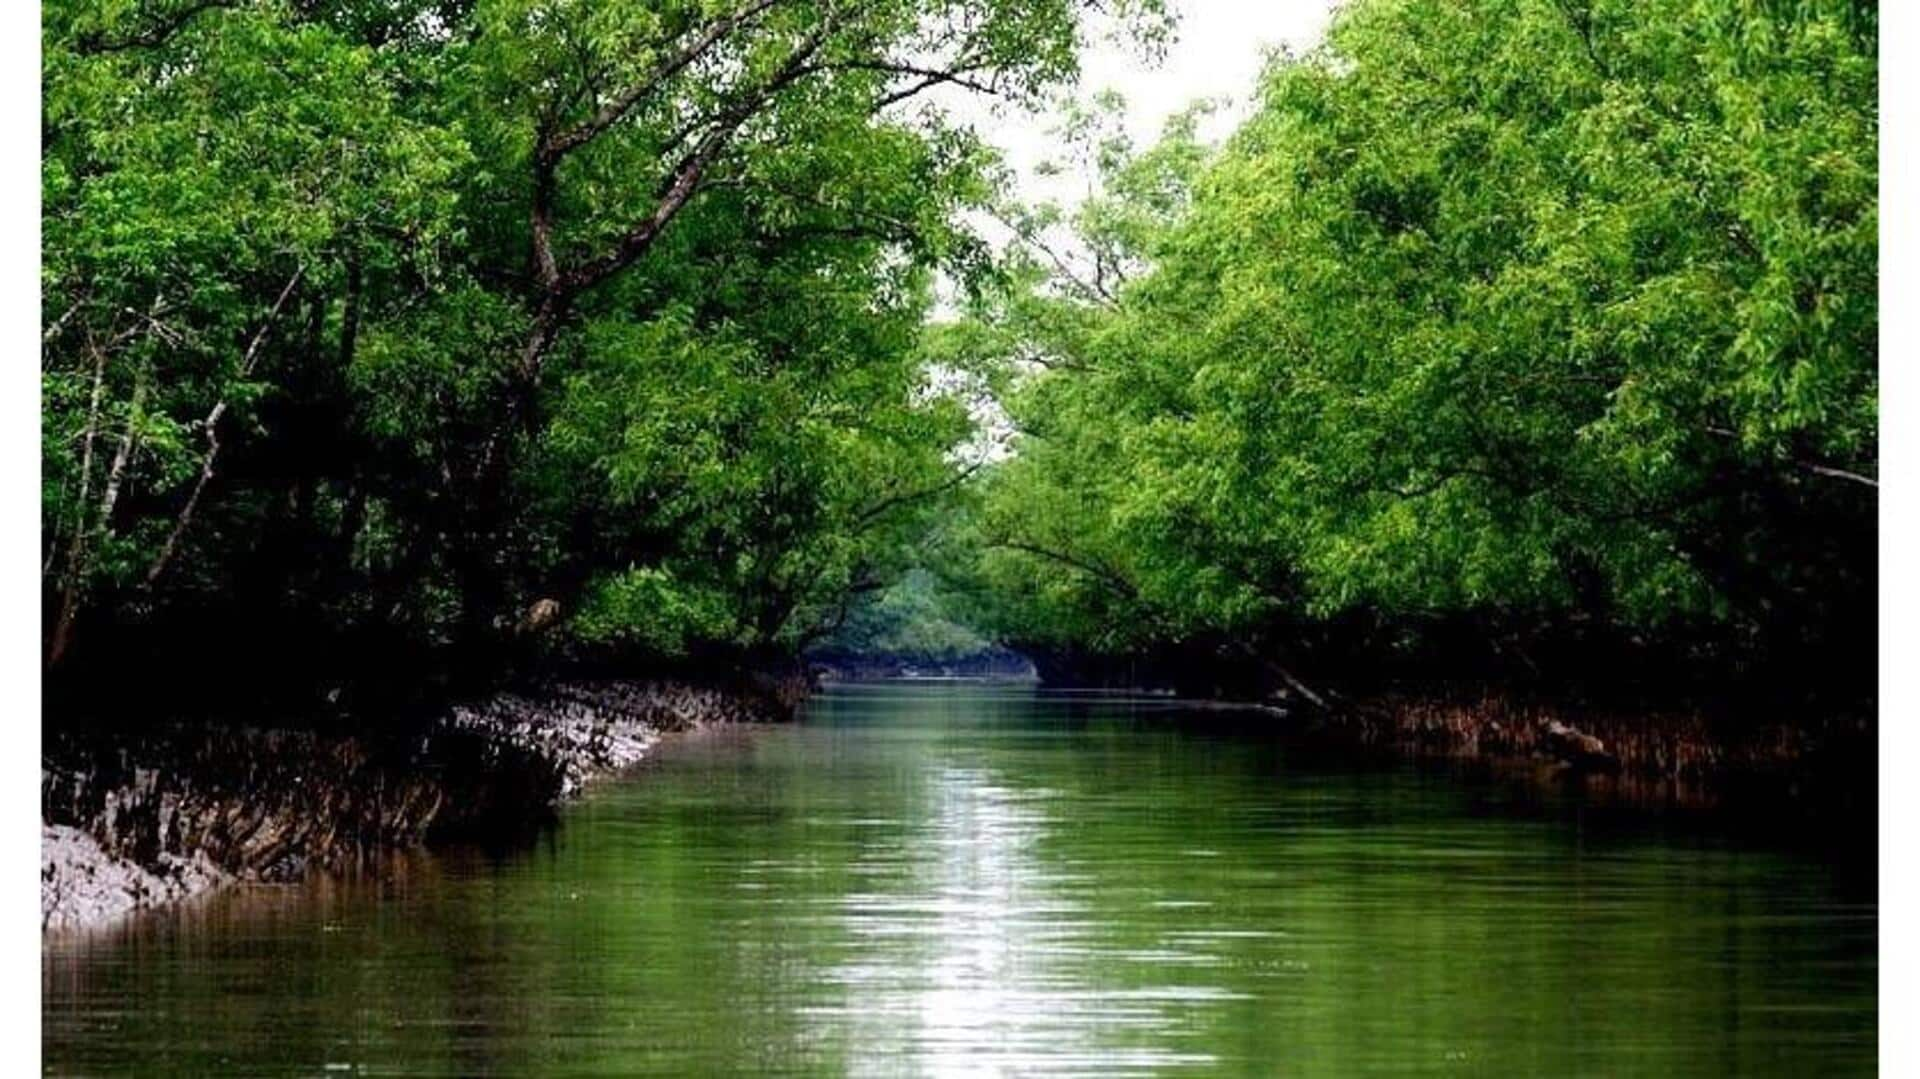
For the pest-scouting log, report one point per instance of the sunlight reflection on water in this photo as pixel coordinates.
(945, 881)
(994, 979)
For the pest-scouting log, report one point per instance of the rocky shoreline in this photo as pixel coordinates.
(135, 819)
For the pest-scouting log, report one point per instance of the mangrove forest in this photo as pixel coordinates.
(1037, 621)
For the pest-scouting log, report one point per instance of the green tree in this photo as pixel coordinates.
(210, 182)
(409, 320)
(1564, 315)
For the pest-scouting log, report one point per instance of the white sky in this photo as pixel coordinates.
(1217, 53)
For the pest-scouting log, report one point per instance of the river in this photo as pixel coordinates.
(966, 880)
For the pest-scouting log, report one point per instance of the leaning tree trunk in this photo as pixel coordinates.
(76, 570)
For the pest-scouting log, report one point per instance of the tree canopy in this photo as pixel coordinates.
(1561, 319)
(431, 323)
(398, 329)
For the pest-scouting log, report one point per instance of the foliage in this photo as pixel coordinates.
(413, 328)
(1562, 317)
(912, 621)
(395, 322)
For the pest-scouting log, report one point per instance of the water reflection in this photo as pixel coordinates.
(973, 964)
(938, 882)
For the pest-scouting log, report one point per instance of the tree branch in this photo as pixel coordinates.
(552, 150)
(956, 75)
(686, 177)
(154, 35)
(1816, 468)
(1088, 290)
(1110, 578)
(211, 424)
(879, 509)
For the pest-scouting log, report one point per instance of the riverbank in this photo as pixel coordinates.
(1633, 735)
(135, 817)
(1646, 755)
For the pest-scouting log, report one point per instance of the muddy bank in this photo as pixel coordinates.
(132, 819)
(1673, 755)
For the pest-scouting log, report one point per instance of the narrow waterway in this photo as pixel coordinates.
(964, 880)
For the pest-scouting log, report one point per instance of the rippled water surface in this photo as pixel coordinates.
(925, 880)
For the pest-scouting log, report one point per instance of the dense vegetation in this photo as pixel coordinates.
(431, 335)
(1540, 345)
(379, 332)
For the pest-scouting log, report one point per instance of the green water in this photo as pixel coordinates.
(975, 881)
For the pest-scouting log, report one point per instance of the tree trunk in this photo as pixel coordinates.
(86, 459)
(61, 640)
(212, 426)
